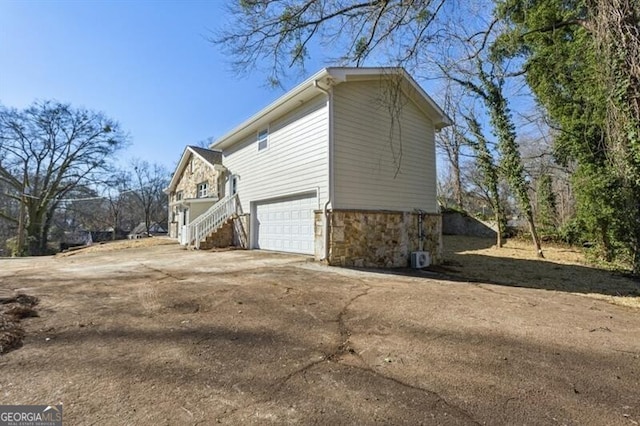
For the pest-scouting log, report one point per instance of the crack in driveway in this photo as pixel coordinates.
(343, 348)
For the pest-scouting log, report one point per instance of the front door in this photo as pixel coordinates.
(232, 185)
(183, 227)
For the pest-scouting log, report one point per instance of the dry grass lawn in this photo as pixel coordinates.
(119, 245)
(515, 264)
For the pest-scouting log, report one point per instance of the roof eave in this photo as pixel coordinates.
(178, 171)
(337, 75)
(279, 107)
(182, 164)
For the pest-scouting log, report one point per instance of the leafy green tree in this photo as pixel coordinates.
(48, 150)
(546, 202)
(583, 64)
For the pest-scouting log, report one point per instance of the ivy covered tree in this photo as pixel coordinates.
(489, 174)
(583, 64)
(546, 202)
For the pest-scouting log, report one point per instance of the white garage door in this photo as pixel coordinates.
(286, 225)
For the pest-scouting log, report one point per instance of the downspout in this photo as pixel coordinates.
(421, 229)
(325, 209)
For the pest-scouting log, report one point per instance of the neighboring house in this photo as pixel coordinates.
(141, 230)
(75, 239)
(342, 167)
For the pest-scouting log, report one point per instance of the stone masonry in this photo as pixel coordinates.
(221, 237)
(234, 232)
(379, 238)
(196, 172)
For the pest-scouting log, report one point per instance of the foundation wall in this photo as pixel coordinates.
(221, 238)
(365, 238)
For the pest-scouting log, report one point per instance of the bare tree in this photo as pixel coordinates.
(114, 191)
(48, 150)
(9, 208)
(485, 75)
(150, 180)
(277, 34)
(451, 142)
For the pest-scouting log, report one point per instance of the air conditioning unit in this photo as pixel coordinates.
(420, 259)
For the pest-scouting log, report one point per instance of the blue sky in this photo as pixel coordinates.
(146, 64)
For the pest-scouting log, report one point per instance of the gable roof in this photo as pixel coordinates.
(153, 227)
(320, 83)
(209, 156)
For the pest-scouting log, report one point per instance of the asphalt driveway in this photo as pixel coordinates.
(162, 335)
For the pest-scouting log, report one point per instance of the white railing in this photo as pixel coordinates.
(210, 220)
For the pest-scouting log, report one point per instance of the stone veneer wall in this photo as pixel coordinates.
(234, 232)
(198, 171)
(221, 238)
(366, 238)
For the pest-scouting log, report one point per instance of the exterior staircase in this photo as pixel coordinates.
(210, 225)
(221, 237)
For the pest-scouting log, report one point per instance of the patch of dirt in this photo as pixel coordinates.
(186, 307)
(173, 336)
(13, 309)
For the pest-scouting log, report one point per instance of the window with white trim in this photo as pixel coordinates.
(263, 139)
(203, 189)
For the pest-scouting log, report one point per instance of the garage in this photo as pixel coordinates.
(286, 224)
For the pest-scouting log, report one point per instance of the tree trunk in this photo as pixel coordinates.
(534, 235)
(499, 242)
(457, 183)
(635, 270)
(606, 242)
(46, 226)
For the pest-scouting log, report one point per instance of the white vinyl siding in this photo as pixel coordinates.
(373, 170)
(295, 162)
